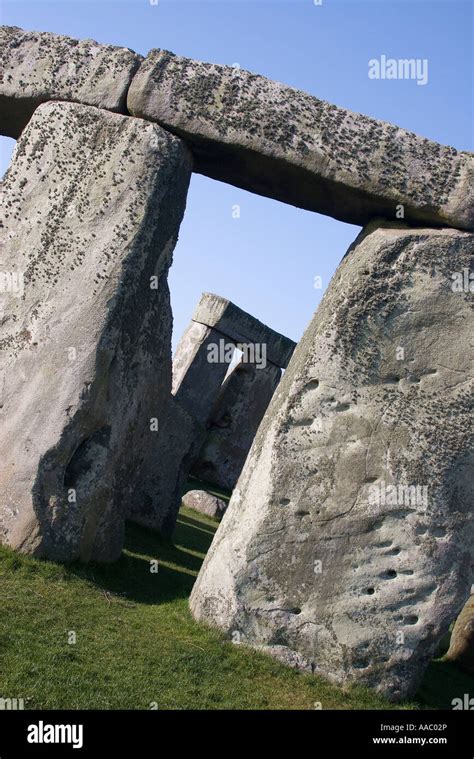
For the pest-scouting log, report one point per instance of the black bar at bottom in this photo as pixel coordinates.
(150, 733)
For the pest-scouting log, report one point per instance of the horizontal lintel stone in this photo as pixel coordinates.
(39, 66)
(285, 144)
(240, 327)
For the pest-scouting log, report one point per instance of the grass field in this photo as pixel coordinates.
(137, 645)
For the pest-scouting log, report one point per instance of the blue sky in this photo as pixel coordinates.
(266, 260)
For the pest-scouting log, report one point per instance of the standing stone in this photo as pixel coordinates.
(196, 377)
(285, 144)
(39, 66)
(164, 480)
(240, 407)
(93, 202)
(348, 542)
(461, 649)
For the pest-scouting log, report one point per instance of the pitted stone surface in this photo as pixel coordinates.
(233, 423)
(39, 66)
(328, 548)
(93, 202)
(283, 143)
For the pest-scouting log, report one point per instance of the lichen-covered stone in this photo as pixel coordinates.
(39, 66)
(233, 423)
(283, 143)
(350, 536)
(92, 205)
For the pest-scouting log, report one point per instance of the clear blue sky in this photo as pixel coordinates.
(267, 260)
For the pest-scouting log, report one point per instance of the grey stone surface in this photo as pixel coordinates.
(349, 538)
(39, 66)
(461, 648)
(196, 380)
(165, 477)
(283, 143)
(240, 327)
(93, 202)
(205, 503)
(239, 409)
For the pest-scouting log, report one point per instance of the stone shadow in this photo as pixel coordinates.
(179, 561)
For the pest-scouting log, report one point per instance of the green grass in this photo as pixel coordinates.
(137, 643)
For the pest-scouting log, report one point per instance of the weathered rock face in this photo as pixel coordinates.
(461, 649)
(196, 379)
(38, 66)
(240, 407)
(205, 503)
(349, 538)
(93, 202)
(277, 141)
(164, 479)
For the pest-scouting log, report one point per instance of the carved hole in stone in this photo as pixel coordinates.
(384, 544)
(407, 572)
(393, 552)
(420, 530)
(312, 385)
(302, 513)
(392, 379)
(439, 532)
(88, 455)
(302, 423)
(295, 610)
(370, 591)
(370, 479)
(390, 574)
(284, 501)
(412, 619)
(360, 664)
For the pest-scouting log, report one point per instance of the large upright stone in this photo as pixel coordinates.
(196, 378)
(283, 143)
(39, 66)
(239, 409)
(348, 542)
(92, 206)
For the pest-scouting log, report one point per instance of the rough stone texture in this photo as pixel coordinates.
(351, 414)
(240, 327)
(283, 143)
(39, 66)
(240, 407)
(196, 380)
(205, 503)
(93, 202)
(461, 649)
(166, 475)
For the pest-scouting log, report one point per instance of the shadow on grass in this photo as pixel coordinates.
(442, 683)
(131, 577)
(179, 561)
